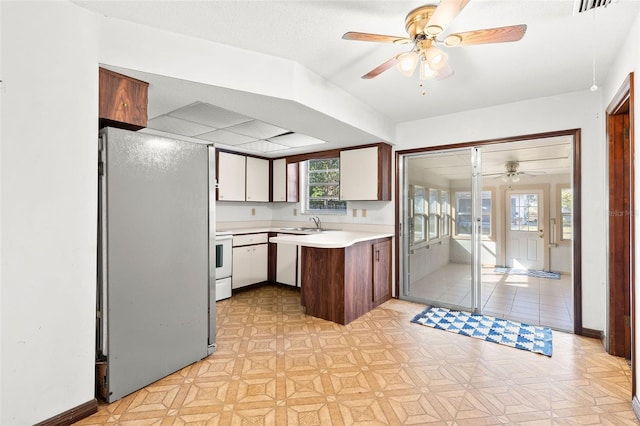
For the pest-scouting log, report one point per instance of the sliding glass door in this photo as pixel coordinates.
(442, 225)
(489, 229)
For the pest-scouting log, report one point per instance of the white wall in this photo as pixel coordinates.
(628, 61)
(197, 60)
(230, 215)
(569, 111)
(48, 209)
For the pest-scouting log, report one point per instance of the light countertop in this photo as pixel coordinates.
(329, 239)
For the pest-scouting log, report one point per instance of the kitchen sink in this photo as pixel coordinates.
(310, 230)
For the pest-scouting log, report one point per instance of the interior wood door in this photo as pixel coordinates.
(620, 236)
(525, 232)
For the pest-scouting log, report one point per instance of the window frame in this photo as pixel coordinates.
(422, 214)
(445, 214)
(491, 214)
(435, 214)
(419, 214)
(305, 185)
(560, 215)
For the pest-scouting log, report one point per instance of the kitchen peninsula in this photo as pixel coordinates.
(344, 274)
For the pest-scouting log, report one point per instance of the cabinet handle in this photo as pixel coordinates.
(377, 255)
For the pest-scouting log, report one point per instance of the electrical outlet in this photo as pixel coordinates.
(355, 212)
(364, 212)
(295, 212)
(253, 212)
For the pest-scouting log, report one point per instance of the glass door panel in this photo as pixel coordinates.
(439, 244)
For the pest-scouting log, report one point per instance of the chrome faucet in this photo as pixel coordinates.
(316, 220)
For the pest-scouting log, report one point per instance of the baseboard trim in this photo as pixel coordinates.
(72, 415)
(635, 404)
(589, 332)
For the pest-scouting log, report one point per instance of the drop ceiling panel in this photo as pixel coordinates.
(209, 115)
(178, 126)
(257, 129)
(295, 140)
(227, 138)
(263, 146)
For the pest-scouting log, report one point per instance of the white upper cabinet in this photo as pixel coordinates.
(365, 173)
(231, 177)
(257, 179)
(280, 180)
(242, 178)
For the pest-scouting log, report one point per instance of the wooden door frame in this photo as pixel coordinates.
(622, 104)
(577, 212)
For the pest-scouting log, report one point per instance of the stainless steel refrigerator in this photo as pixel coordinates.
(155, 227)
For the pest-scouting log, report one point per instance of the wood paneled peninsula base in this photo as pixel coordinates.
(344, 274)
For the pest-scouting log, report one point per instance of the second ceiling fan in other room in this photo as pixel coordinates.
(425, 26)
(512, 172)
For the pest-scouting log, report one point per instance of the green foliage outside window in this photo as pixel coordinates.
(323, 185)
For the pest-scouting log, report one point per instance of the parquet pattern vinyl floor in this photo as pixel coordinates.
(274, 365)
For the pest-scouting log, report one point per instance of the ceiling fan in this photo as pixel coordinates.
(424, 25)
(512, 172)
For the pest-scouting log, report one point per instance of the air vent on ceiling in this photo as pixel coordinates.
(585, 5)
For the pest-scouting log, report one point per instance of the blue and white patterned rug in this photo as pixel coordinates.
(510, 333)
(537, 274)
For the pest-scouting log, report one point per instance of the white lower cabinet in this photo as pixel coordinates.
(250, 262)
(286, 264)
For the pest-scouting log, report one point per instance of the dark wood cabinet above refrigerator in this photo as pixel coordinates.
(122, 101)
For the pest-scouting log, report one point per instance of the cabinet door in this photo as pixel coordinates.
(285, 181)
(257, 179)
(279, 181)
(359, 174)
(231, 177)
(286, 262)
(381, 272)
(259, 263)
(122, 101)
(242, 262)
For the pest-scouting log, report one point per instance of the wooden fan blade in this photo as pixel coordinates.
(443, 15)
(377, 38)
(381, 68)
(488, 35)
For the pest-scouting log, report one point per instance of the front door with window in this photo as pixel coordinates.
(525, 232)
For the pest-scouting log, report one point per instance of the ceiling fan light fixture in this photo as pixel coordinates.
(504, 178)
(407, 63)
(452, 40)
(436, 58)
(433, 30)
(425, 70)
(515, 178)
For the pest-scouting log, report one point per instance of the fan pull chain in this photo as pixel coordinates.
(422, 75)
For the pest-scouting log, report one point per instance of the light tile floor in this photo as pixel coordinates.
(538, 301)
(277, 366)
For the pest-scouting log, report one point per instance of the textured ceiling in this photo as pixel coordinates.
(555, 56)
